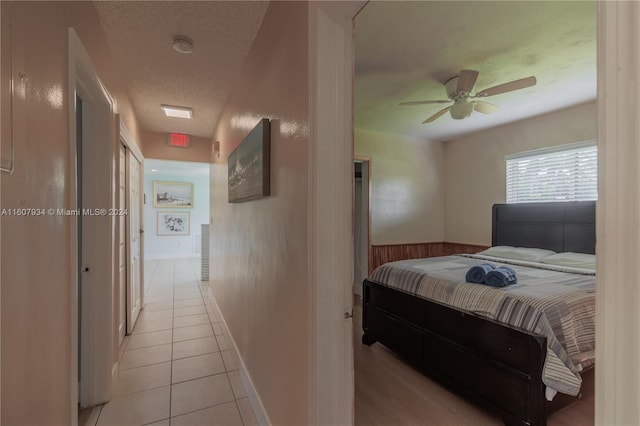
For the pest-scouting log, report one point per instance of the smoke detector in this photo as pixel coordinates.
(182, 44)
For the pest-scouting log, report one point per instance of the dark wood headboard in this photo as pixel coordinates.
(564, 226)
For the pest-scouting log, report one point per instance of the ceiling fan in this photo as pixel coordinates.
(459, 90)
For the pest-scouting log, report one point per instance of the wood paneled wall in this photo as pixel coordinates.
(393, 252)
(457, 248)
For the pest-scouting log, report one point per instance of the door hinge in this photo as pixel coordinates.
(348, 315)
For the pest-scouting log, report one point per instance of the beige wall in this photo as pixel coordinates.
(259, 248)
(430, 191)
(475, 166)
(156, 147)
(407, 187)
(36, 251)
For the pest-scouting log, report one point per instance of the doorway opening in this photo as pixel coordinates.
(424, 179)
(176, 212)
(91, 229)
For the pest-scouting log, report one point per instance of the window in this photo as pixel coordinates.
(561, 173)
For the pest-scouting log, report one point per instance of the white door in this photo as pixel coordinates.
(133, 206)
(95, 242)
(122, 245)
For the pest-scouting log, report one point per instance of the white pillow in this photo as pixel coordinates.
(517, 253)
(572, 260)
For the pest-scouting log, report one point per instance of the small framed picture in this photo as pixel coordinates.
(173, 223)
(173, 195)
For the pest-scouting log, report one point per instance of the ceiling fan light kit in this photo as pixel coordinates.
(460, 110)
(459, 89)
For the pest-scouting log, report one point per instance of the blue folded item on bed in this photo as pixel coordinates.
(501, 277)
(477, 274)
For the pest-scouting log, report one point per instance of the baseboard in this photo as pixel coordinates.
(114, 375)
(114, 369)
(256, 403)
(92, 419)
(249, 388)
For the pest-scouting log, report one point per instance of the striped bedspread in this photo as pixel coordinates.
(558, 303)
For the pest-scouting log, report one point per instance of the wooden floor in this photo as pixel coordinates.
(391, 393)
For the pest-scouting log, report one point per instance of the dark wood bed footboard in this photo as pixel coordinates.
(497, 366)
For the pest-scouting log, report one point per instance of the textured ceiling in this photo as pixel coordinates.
(405, 51)
(140, 36)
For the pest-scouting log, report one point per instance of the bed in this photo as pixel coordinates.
(513, 368)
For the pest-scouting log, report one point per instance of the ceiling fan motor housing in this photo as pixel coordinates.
(451, 86)
(461, 108)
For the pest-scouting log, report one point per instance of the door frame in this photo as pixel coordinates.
(130, 143)
(130, 293)
(367, 159)
(330, 212)
(97, 306)
(118, 290)
(617, 390)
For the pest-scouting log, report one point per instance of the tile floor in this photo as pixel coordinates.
(178, 366)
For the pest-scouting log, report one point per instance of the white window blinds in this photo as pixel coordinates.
(562, 173)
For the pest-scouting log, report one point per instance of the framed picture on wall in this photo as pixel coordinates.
(173, 195)
(249, 165)
(173, 223)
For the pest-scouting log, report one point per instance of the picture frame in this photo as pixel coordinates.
(173, 223)
(176, 195)
(249, 165)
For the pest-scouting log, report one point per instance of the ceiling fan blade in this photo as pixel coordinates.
(466, 80)
(484, 107)
(437, 115)
(508, 87)
(423, 102)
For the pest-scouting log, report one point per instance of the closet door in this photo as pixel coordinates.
(122, 245)
(134, 293)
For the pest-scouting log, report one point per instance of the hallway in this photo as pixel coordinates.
(178, 367)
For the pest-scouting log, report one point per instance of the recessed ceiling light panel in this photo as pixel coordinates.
(176, 111)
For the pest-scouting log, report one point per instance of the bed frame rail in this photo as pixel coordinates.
(497, 366)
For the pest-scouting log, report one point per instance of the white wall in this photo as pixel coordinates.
(407, 187)
(475, 167)
(37, 252)
(424, 191)
(259, 249)
(172, 246)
